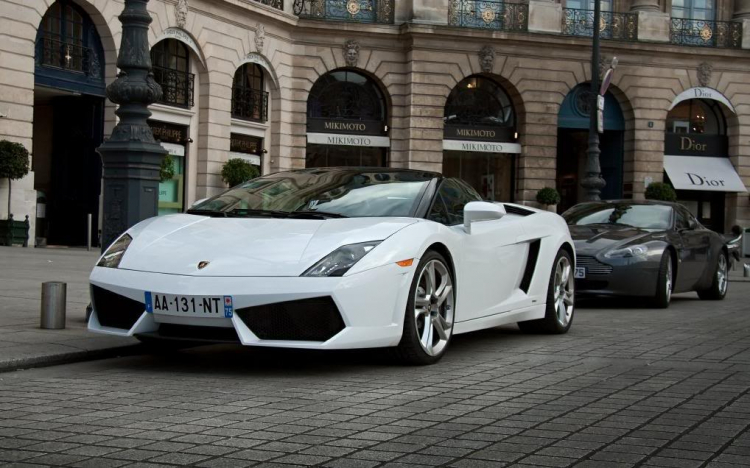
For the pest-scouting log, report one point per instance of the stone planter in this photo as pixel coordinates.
(14, 232)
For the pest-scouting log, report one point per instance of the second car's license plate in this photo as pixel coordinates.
(580, 272)
(196, 306)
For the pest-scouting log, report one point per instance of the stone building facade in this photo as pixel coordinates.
(495, 92)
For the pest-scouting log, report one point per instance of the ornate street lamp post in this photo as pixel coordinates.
(131, 157)
(593, 182)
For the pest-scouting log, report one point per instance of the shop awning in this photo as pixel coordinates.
(349, 140)
(714, 174)
(481, 146)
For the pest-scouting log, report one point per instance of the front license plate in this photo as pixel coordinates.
(580, 272)
(194, 306)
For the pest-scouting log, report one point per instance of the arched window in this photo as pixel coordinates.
(171, 65)
(249, 99)
(67, 40)
(479, 101)
(346, 95)
(696, 116)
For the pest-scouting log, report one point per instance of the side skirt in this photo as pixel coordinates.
(528, 313)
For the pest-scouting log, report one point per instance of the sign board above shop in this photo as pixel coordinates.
(350, 127)
(481, 146)
(496, 134)
(696, 145)
(348, 140)
(702, 93)
(168, 133)
(239, 143)
(703, 174)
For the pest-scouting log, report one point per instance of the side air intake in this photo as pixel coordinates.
(517, 210)
(531, 261)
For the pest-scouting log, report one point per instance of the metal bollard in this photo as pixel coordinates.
(53, 304)
(746, 270)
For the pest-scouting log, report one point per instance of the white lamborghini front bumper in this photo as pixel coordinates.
(371, 305)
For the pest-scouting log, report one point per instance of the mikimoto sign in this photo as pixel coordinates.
(481, 146)
(349, 140)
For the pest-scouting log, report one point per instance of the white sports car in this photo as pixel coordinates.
(338, 258)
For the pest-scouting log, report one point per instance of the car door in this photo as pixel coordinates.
(694, 249)
(490, 260)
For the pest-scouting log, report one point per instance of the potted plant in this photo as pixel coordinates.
(14, 164)
(237, 171)
(661, 191)
(548, 197)
(166, 170)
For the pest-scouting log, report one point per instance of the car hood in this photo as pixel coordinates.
(175, 244)
(595, 238)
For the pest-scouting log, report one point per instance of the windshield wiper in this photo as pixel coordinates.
(316, 214)
(210, 213)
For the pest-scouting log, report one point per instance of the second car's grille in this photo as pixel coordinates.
(593, 266)
(114, 310)
(316, 319)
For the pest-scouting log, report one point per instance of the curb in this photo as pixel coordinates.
(69, 358)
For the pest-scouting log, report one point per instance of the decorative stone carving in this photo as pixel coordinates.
(180, 13)
(351, 53)
(487, 59)
(704, 74)
(260, 37)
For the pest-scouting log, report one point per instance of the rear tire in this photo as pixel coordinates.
(558, 315)
(664, 282)
(429, 315)
(720, 282)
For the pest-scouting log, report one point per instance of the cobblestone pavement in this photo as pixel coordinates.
(626, 387)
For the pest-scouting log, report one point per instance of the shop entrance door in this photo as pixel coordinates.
(490, 174)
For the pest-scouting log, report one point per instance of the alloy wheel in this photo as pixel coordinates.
(433, 307)
(721, 274)
(564, 290)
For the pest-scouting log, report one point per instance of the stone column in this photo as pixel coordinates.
(545, 16)
(653, 24)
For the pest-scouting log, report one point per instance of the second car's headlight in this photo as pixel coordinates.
(638, 251)
(340, 260)
(113, 255)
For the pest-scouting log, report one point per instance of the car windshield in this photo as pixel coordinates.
(640, 216)
(342, 193)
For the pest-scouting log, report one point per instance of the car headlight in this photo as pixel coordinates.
(113, 255)
(341, 260)
(638, 251)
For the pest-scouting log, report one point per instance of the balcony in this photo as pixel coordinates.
(487, 14)
(614, 26)
(354, 11)
(176, 86)
(250, 104)
(705, 33)
(68, 56)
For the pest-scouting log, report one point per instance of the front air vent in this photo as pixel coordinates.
(315, 319)
(593, 266)
(114, 310)
(517, 210)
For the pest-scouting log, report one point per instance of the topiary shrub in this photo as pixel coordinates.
(548, 196)
(237, 171)
(166, 170)
(14, 163)
(661, 191)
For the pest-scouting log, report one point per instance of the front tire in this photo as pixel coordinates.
(429, 316)
(720, 283)
(560, 299)
(664, 282)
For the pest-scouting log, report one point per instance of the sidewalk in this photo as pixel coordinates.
(22, 342)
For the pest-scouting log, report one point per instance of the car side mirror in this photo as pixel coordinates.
(481, 211)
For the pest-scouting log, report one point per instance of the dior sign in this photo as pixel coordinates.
(698, 180)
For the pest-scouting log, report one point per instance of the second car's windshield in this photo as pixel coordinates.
(640, 216)
(354, 193)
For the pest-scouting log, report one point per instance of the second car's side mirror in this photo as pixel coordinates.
(481, 211)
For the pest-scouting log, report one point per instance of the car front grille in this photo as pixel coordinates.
(592, 265)
(315, 319)
(114, 310)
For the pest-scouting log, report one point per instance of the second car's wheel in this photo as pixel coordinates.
(428, 321)
(560, 299)
(664, 282)
(718, 289)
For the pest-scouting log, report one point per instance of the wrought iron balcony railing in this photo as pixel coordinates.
(278, 4)
(705, 33)
(54, 52)
(616, 26)
(357, 11)
(250, 104)
(489, 14)
(177, 87)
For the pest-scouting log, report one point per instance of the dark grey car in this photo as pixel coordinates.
(648, 249)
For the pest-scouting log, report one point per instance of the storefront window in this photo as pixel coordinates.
(171, 192)
(696, 116)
